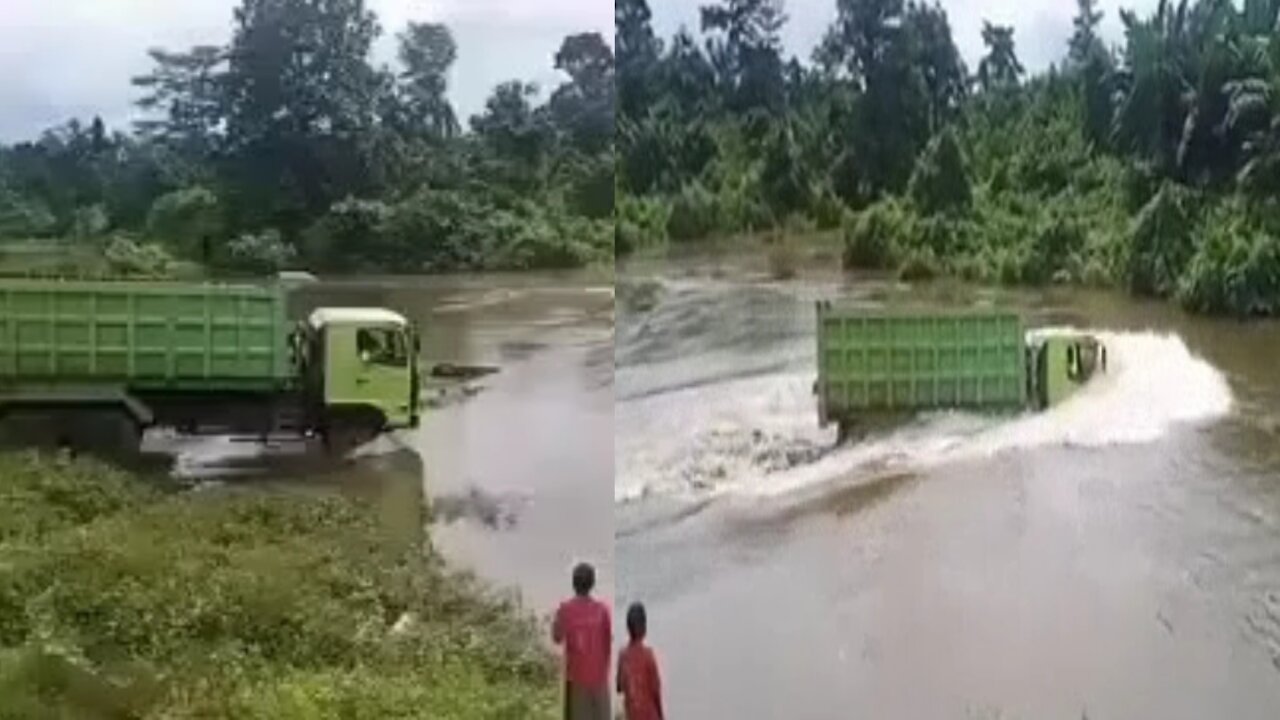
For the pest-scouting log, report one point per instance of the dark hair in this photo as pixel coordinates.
(637, 621)
(584, 578)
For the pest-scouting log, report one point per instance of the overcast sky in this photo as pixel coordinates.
(1041, 27)
(73, 58)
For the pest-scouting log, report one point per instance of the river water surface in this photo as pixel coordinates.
(1115, 557)
(515, 467)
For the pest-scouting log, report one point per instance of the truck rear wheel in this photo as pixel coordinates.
(105, 433)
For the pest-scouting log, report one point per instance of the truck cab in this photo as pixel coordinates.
(1059, 364)
(363, 373)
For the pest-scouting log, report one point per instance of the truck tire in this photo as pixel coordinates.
(349, 429)
(29, 429)
(106, 433)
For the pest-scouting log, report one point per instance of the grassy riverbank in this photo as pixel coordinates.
(121, 598)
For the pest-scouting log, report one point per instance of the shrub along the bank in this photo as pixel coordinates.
(448, 230)
(119, 599)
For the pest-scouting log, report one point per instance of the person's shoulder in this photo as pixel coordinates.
(649, 654)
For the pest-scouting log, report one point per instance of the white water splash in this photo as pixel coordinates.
(759, 436)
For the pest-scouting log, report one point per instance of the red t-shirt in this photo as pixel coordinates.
(639, 683)
(584, 626)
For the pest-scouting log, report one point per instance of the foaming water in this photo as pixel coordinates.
(758, 436)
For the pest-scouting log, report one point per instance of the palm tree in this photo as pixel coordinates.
(1000, 67)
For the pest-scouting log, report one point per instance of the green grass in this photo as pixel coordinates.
(121, 598)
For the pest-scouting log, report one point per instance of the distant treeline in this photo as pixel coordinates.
(1153, 165)
(289, 146)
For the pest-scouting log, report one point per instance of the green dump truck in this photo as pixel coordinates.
(877, 364)
(95, 363)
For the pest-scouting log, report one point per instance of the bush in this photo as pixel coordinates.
(188, 220)
(22, 217)
(441, 230)
(126, 258)
(872, 237)
(89, 222)
(1159, 243)
(943, 235)
(1058, 239)
(919, 264)
(739, 208)
(828, 209)
(1236, 268)
(940, 181)
(693, 214)
(352, 230)
(592, 187)
(260, 253)
(542, 242)
(226, 604)
(642, 222)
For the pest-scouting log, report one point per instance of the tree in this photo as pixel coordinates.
(1000, 67)
(1097, 86)
(638, 54)
(427, 52)
(746, 46)
(1085, 41)
(515, 134)
(903, 60)
(187, 90)
(935, 56)
(300, 96)
(940, 182)
(584, 107)
(687, 76)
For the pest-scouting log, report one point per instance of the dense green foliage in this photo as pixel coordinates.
(252, 153)
(119, 600)
(1151, 166)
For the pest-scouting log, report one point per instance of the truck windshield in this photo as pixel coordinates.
(382, 346)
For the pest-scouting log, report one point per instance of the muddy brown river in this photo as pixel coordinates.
(515, 468)
(1115, 557)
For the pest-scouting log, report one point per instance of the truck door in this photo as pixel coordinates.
(376, 372)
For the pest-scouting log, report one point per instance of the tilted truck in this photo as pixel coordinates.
(882, 364)
(98, 362)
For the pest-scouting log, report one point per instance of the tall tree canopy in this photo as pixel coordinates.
(745, 46)
(290, 141)
(1000, 67)
(1079, 171)
(427, 52)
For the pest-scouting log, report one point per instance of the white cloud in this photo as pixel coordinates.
(66, 58)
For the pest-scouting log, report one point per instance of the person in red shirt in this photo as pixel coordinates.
(638, 680)
(584, 626)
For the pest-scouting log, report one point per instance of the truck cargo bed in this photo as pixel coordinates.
(162, 336)
(886, 362)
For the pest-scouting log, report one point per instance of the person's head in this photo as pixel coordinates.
(637, 621)
(584, 579)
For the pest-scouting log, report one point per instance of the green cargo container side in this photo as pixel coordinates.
(150, 336)
(878, 361)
